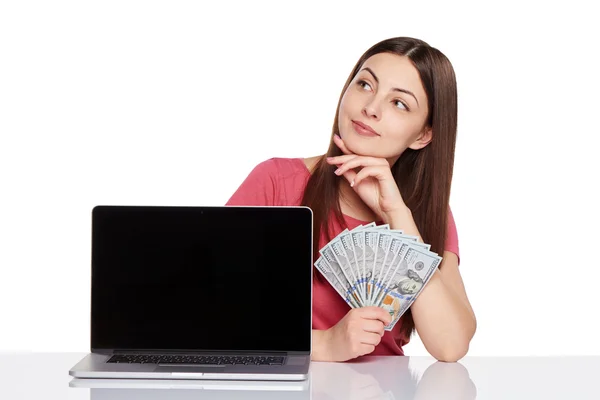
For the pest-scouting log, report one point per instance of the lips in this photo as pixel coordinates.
(364, 129)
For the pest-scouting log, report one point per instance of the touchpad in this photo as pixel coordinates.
(191, 368)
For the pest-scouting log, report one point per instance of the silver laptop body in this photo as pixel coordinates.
(212, 293)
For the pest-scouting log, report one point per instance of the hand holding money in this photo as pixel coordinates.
(357, 333)
(377, 266)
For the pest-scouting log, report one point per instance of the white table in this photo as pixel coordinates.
(45, 376)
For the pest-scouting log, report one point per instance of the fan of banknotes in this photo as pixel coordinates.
(373, 265)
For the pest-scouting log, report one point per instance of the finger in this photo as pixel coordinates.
(370, 338)
(350, 176)
(339, 142)
(340, 159)
(373, 312)
(361, 162)
(378, 172)
(373, 326)
(366, 349)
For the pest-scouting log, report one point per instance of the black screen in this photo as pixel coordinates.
(201, 278)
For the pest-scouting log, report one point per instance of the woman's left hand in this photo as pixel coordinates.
(374, 183)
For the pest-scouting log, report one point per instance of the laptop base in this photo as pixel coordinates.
(95, 366)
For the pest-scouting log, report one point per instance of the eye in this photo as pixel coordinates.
(401, 105)
(364, 85)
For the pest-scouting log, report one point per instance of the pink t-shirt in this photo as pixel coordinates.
(281, 182)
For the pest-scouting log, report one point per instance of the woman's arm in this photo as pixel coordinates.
(443, 316)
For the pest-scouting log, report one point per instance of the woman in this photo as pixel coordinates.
(390, 160)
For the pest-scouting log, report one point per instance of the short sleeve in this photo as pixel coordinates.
(259, 187)
(452, 236)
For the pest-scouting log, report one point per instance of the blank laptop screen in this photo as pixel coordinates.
(201, 278)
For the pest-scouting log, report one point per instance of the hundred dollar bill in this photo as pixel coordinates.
(382, 226)
(424, 246)
(412, 238)
(404, 288)
(336, 282)
(396, 253)
(355, 255)
(381, 254)
(351, 255)
(409, 238)
(328, 254)
(369, 257)
(339, 252)
(397, 238)
(358, 242)
(400, 232)
(367, 239)
(366, 226)
(356, 229)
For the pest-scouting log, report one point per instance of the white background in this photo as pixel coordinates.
(174, 102)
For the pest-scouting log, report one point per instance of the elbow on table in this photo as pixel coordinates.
(452, 353)
(457, 348)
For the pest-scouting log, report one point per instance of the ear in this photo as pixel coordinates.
(423, 139)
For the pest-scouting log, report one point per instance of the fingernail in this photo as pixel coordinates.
(337, 171)
(329, 158)
(352, 184)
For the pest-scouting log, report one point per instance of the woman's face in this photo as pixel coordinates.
(387, 97)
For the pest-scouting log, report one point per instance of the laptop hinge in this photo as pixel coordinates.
(200, 352)
(107, 352)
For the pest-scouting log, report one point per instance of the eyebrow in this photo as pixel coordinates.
(394, 89)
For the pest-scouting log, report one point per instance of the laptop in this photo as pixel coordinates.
(213, 292)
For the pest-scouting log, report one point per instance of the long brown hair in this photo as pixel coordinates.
(424, 176)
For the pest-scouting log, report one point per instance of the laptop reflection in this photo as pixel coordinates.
(130, 389)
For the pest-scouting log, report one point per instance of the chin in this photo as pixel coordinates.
(354, 145)
(362, 147)
(354, 142)
(367, 146)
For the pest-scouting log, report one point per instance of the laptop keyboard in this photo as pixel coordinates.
(193, 359)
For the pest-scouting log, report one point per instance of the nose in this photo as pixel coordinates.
(372, 109)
